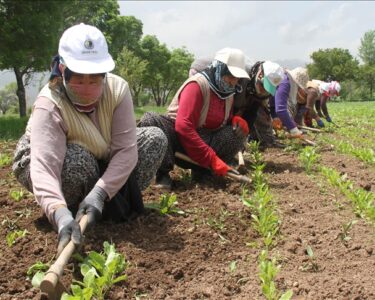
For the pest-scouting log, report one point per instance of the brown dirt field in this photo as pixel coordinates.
(182, 257)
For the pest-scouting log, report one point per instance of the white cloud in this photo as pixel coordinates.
(263, 30)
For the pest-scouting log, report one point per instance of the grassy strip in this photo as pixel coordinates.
(362, 200)
(366, 155)
(12, 127)
(266, 222)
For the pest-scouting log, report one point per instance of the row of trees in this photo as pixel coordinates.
(30, 31)
(357, 80)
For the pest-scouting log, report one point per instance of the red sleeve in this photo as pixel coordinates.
(187, 120)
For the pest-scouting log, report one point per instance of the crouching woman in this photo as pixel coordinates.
(81, 150)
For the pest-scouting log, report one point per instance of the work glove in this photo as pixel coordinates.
(67, 228)
(240, 127)
(320, 123)
(92, 206)
(277, 124)
(219, 167)
(295, 133)
(329, 119)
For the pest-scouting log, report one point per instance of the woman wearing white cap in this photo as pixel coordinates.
(200, 120)
(291, 90)
(80, 146)
(253, 104)
(321, 104)
(314, 90)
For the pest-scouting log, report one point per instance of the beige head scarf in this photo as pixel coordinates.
(298, 77)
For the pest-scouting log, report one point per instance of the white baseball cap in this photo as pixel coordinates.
(273, 74)
(84, 50)
(235, 61)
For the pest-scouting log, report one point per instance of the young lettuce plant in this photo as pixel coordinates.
(17, 195)
(167, 205)
(309, 157)
(15, 235)
(99, 271)
(36, 272)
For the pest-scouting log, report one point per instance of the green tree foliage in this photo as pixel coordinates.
(367, 48)
(335, 63)
(157, 56)
(132, 68)
(166, 70)
(124, 31)
(8, 97)
(28, 39)
(30, 32)
(367, 54)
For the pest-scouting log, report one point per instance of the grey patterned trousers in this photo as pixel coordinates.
(223, 141)
(81, 170)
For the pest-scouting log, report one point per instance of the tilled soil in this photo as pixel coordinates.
(188, 256)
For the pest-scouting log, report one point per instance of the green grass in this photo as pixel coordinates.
(139, 111)
(12, 127)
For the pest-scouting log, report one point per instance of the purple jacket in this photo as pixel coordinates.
(281, 103)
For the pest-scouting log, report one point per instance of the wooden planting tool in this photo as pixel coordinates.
(241, 163)
(234, 174)
(309, 128)
(51, 284)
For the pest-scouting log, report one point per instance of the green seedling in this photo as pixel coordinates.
(309, 157)
(17, 195)
(26, 212)
(13, 236)
(362, 200)
(167, 205)
(219, 223)
(232, 267)
(345, 228)
(10, 224)
(311, 265)
(100, 272)
(36, 273)
(268, 269)
(5, 160)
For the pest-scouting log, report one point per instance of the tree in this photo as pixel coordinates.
(132, 69)
(124, 31)
(157, 55)
(179, 65)
(8, 97)
(28, 39)
(367, 54)
(367, 48)
(337, 64)
(166, 70)
(30, 31)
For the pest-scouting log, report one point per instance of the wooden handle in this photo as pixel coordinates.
(309, 142)
(241, 161)
(308, 128)
(231, 174)
(48, 284)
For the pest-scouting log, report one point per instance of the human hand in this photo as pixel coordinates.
(240, 126)
(277, 124)
(92, 206)
(219, 167)
(320, 123)
(329, 119)
(295, 133)
(67, 228)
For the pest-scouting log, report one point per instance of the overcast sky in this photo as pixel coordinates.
(273, 30)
